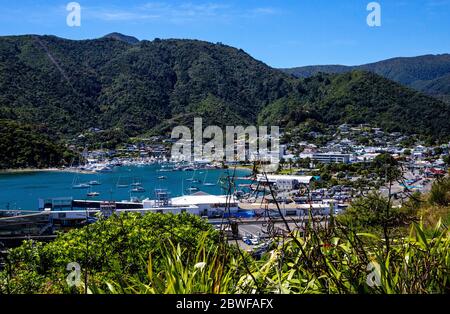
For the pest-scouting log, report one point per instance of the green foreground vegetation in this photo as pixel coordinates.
(406, 251)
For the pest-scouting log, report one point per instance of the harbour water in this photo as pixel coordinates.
(23, 190)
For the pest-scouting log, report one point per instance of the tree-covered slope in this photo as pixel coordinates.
(439, 88)
(312, 70)
(129, 87)
(428, 73)
(361, 97)
(51, 81)
(73, 85)
(25, 146)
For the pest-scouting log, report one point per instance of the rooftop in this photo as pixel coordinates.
(274, 178)
(202, 198)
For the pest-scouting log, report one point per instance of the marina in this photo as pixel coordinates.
(22, 191)
(66, 200)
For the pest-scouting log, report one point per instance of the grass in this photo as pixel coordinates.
(321, 262)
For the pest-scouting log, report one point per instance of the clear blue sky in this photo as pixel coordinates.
(281, 33)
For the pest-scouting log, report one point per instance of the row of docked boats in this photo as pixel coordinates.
(166, 165)
(136, 185)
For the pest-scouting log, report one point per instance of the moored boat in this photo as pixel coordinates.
(138, 189)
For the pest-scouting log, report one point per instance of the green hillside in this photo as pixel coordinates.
(361, 97)
(108, 83)
(428, 73)
(128, 87)
(26, 146)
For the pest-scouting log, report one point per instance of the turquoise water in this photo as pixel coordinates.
(22, 190)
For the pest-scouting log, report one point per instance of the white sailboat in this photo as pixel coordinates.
(193, 189)
(120, 185)
(77, 185)
(193, 179)
(94, 182)
(137, 186)
(91, 193)
(138, 189)
(207, 183)
(136, 183)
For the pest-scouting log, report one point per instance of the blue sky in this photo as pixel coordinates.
(281, 33)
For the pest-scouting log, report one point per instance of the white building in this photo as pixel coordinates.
(208, 205)
(328, 158)
(285, 182)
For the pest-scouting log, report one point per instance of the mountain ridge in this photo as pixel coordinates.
(148, 87)
(426, 73)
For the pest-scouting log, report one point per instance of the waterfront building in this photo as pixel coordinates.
(285, 182)
(327, 158)
(208, 205)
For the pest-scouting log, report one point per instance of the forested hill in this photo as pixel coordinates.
(130, 87)
(109, 83)
(429, 73)
(360, 97)
(27, 146)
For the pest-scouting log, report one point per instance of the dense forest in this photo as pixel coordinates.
(429, 74)
(360, 97)
(26, 146)
(109, 83)
(128, 87)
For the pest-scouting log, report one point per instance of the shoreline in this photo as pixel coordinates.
(36, 170)
(73, 170)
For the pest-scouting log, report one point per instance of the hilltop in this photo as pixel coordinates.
(121, 37)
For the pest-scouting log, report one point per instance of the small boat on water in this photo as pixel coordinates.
(207, 183)
(97, 167)
(192, 189)
(77, 185)
(80, 186)
(120, 185)
(138, 189)
(162, 177)
(193, 180)
(103, 169)
(94, 182)
(136, 183)
(92, 193)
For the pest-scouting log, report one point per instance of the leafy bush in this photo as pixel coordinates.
(108, 250)
(332, 259)
(322, 262)
(440, 192)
